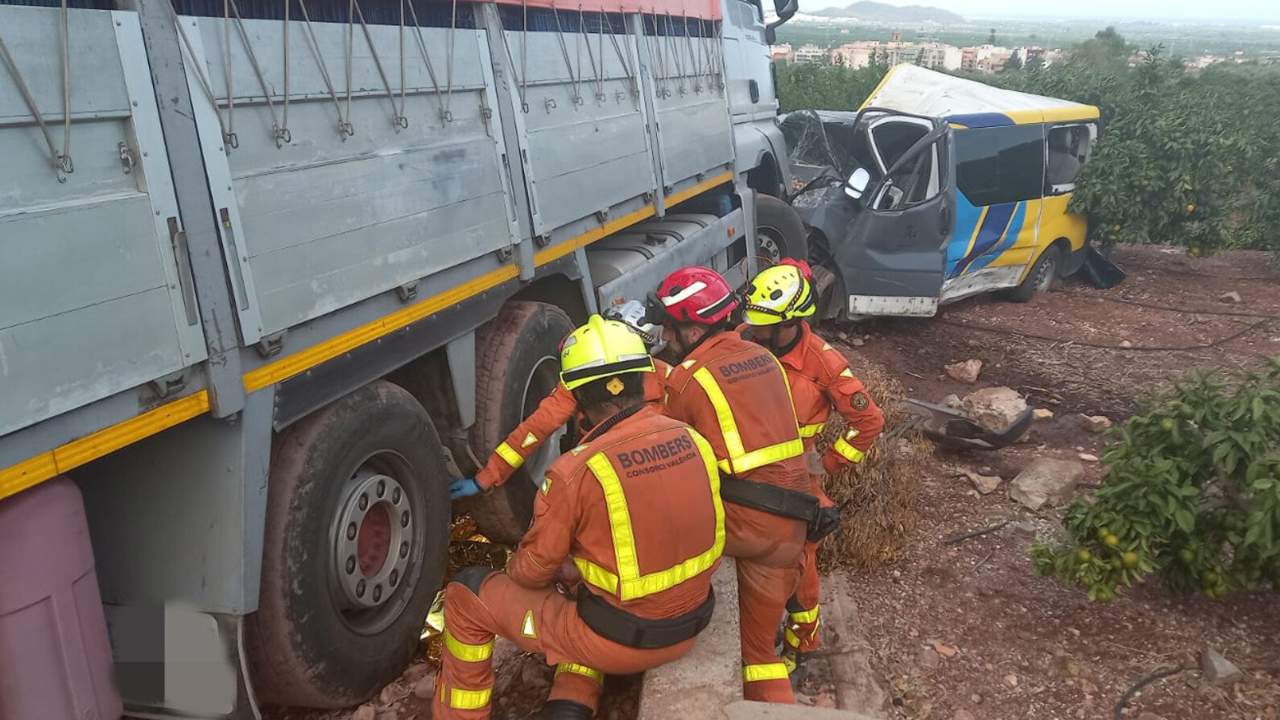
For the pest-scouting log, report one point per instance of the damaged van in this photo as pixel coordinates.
(939, 188)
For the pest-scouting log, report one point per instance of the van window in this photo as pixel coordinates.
(1069, 147)
(1000, 164)
(917, 180)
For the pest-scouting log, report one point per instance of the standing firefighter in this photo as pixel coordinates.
(604, 513)
(557, 409)
(735, 393)
(781, 297)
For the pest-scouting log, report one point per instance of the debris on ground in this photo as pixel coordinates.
(965, 372)
(1217, 669)
(994, 408)
(1095, 423)
(1232, 297)
(953, 401)
(1042, 414)
(984, 484)
(1046, 481)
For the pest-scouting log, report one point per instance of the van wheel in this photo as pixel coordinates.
(779, 230)
(357, 537)
(1042, 276)
(517, 365)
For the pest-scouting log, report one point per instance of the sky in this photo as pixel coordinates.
(1165, 10)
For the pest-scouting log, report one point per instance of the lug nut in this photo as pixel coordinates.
(382, 487)
(404, 549)
(395, 496)
(395, 577)
(364, 501)
(377, 593)
(404, 519)
(351, 564)
(351, 531)
(360, 589)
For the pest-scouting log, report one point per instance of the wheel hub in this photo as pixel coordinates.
(374, 536)
(768, 245)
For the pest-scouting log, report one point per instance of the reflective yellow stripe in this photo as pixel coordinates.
(805, 616)
(846, 373)
(583, 670)
(739, 460)
(628, 583)
(466, 651)
(460, 699)
(766, 671)
(808, 431)
(847, 451)
(792, 639)
(513, 458)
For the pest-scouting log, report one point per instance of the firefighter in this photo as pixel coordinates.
(821, 380)
(735, 393)
(602, 520)
(557, 409)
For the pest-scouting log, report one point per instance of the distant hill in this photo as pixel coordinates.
(872, 11)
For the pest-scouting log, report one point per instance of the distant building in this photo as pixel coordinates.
(939, 56)
(781, 53)
(864, 52)
(809, 54)
(984, 58)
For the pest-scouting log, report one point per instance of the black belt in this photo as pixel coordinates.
(614, 623)
(769, 498)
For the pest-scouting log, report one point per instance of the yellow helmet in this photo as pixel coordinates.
(779, 294)
(600, 349)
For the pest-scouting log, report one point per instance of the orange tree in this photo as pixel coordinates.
(1192, 493)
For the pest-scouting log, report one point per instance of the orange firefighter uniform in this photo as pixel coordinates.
(552, 413)
(606, 507)
(735, 393)
(821, 380)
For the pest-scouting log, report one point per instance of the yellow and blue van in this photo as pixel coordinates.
(940, 188)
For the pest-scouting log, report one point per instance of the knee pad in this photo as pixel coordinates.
(472, 577)
(794, 606)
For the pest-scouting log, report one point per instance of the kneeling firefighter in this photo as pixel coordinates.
(604, 521)
(557, 409)
(821, 380)
(735, 393)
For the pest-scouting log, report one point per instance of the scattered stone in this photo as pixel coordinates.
(976, 699)
(984, 484)
(857, 342)
(425, 686)
(365, 712)
(965, 372)
(952, 401)
(1042, 414)
(1011, 680)
(1095, 423)
(927, 658)
(1088, 457)
(987, 470)
(1232, 298)
(1216, 668)
(1046, 481)
(994, 408)
(945, 650)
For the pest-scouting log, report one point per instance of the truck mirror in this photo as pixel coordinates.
(857, 183)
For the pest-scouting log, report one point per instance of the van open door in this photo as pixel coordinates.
(893, 256)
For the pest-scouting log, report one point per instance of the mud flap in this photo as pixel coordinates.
(952, 429)
(1099, 271)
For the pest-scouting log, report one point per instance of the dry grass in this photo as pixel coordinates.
(879, 494)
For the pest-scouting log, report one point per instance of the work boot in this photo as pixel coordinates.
(795, 662)
(562, 710)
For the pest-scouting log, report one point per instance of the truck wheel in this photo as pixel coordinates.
(517, 365)
(1042, 275)
(357, 537)
(779, 230)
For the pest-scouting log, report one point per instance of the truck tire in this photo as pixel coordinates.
(1042, 276)
(357, 538)
(517, 365)
(779, 230)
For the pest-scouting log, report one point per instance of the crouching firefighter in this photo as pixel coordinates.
(821, 380)
(632, 516)
(558, 408)
(734, 392)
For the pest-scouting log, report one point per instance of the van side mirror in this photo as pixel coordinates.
(857, 184)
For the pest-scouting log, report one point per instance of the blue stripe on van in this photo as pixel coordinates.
(993, 228)
(981, 120)
(1010, 237)
(967, 216)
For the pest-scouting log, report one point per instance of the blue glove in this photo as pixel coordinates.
(466, 487)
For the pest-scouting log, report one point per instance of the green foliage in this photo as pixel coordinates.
(1192, 493)
(826, 87)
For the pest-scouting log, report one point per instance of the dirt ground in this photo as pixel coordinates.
(966, 630)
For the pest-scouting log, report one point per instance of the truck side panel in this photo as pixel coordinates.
(90, 259)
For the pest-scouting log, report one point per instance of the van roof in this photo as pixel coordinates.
(920, 91)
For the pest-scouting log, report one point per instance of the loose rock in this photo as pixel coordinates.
(1088, 457)
(425, 686)
(1126, 344)
(985, 484)
(927, 658)
(952, 401)
(1216, 668)
(857, 342)
(1011, 680)
(965, 372)
(365, 712)
(1232, 297)
(994, 408)
(1095, 423)
(1042, 414)
(1046, 481)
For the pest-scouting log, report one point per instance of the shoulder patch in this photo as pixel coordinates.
(860, 401)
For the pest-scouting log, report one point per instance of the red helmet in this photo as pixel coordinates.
(693, 294)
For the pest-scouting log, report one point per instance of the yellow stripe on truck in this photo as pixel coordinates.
(72, 455)
(39, 468)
